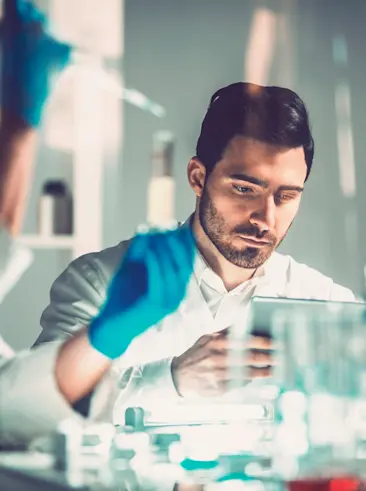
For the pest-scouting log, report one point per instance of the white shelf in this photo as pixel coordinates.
(83, 108)
(48, 241)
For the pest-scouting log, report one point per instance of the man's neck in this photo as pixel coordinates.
(231, 275)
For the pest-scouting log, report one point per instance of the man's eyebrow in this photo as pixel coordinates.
(298, 189)
(253, 180)
(264, 184)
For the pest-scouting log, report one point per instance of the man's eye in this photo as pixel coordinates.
(285, 197)
(243, 189)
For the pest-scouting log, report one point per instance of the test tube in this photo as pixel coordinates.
(161, 189)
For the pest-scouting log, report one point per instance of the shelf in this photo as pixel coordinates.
(48, 241)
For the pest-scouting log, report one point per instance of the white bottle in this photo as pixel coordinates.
(161, 189)
(55, 209)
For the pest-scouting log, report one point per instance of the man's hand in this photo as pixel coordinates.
(149, 285)
(30, 57)
(204, 368)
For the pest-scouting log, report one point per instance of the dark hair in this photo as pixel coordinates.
(270, 114)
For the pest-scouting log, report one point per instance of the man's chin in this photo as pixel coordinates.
(251, 258)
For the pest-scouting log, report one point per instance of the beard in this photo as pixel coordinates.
(217, 230)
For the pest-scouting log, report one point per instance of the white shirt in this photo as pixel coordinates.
(145, 369)
(215, 294)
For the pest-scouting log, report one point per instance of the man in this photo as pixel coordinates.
(65, 371)
(254, 154)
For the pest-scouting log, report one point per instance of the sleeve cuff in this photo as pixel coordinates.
(158, 377)
(147, 386)
(31, 404)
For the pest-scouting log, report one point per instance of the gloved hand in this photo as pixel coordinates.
(149, 285)
(30, 57)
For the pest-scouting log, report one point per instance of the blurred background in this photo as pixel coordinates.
(144, 66)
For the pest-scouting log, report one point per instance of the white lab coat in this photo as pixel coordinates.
(145, 369)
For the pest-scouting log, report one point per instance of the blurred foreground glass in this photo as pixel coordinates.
(320, 414)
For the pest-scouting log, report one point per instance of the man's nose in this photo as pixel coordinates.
(264, 216)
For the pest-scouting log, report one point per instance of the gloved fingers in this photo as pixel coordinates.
(136, 248)
(168, 259)
(58, 54)
(158, 272)
(130, 280)
(12, 11)
(171, 285)
(177, 264)
(177, 272)
(18, 12)
(145, 271)
(140, 245)
(187, 238)
(128, 285)
(182, 251)
(138, 269)
(28, 12)
(25, 20)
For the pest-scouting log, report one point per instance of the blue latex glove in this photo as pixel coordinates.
(30, 57)
(149, 285)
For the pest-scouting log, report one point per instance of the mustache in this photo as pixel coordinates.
(255, 233)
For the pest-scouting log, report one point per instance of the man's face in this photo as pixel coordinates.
(248, 202)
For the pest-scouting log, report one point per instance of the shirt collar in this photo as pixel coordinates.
(204, 274)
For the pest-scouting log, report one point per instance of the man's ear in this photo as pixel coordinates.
(196, 173)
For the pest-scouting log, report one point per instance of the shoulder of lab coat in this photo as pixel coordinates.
(291, 279)
(79, 292)
(31, 405)
(14, 261)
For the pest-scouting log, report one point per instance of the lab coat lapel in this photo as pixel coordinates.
(196, 316)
